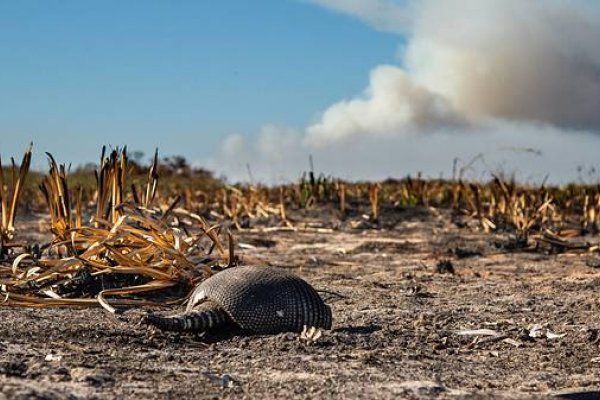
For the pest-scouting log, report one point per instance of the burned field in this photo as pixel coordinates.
(445, 290)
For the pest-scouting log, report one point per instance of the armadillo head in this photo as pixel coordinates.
(197, 297)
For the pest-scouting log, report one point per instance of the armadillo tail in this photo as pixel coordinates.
(197, 320)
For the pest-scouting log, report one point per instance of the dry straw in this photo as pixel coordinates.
(9, 197)
(128, 253)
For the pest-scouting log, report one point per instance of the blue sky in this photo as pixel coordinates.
(180, 75)
(369, 88)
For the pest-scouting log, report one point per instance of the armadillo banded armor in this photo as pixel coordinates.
(264, 300)
(260, 300)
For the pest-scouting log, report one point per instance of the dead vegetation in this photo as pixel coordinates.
(112, 252)
(128, 240)
(9, 197)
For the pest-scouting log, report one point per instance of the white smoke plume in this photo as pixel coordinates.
(528, 60)
(392, 105)
(470, 68)
(535, 60)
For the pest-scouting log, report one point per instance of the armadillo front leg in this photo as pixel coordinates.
(201, 318)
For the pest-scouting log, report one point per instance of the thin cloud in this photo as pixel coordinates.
(383, 15)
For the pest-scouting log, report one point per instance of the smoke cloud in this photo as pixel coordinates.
(393, 104)
(470, 71)
(524, 60)
(515, 59)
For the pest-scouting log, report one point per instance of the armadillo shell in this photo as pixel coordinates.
(264, 299)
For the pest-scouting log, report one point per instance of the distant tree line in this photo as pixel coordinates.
(172, 165)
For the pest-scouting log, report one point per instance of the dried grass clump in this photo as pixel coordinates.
(127, 254)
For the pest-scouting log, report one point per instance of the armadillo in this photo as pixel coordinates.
(259, 300)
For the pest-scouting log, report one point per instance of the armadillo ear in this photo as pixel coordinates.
(196, 298)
